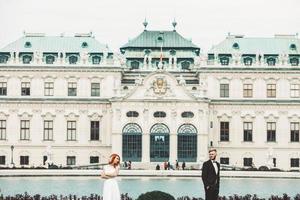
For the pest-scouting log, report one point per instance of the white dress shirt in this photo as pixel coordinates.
(215, 166)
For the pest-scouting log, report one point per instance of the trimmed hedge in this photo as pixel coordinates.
(155, 195)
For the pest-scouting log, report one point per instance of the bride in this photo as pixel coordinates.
(110, 171)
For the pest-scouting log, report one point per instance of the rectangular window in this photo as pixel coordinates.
(25, 89)
(71, 130)
(3, 89)
(271, 132)
(49, 88)
(248, 162)
(2, 160)
(274, 162)
(294, 162)
(2, 129)
(95, 89)
(72, 89)
(224, 90)
(294, 131)
(25, 128)
(48, 130)
(224, 131)
(44, 160)
(94, 159)
(295, 90)
(24, 160)
(71, 160)
(247, 90)
(247, 131)
(271, 90)
(95, 130)
(224, 160)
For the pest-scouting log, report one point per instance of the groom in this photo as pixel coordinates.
(211, 176)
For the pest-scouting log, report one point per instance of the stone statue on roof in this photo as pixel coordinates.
(38, 56)
(84, 56)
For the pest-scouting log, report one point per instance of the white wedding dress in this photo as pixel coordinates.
(110, 188)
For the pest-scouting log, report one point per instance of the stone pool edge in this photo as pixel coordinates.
(148, 173)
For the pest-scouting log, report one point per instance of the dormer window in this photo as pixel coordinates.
(294, 61)
(236, 46)
(147, 52)
(271, 61)
(50, 59)
(185, 65)
(3, 59)
(73, 59)
(159, 114)
(172, 52)
(248, 61)
(84, 45)
(160, 38)
(293, 47)
(135, 65)
(27, 44)
(224, 60)
(96, 60)
(27, 59)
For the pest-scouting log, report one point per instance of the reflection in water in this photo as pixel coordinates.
(192, 187)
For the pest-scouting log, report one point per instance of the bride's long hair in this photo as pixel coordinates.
(112, 158)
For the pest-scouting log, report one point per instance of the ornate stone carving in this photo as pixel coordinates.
(160, 86)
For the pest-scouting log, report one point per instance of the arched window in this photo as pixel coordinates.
(187, 114)
(224, 60)
(248, 61)
(159, 143)
(294, 61)
(96, 60)
(271, 61)
(187, 143)
(50, 59)
(135, 64)
(132, 114)
(3, 59)
(132, 142)
(159, 114)
(125, 88)
(26, 59)
(194, 88)
(185, 65)
(73, 59)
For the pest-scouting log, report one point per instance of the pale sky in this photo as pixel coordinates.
(113, 22)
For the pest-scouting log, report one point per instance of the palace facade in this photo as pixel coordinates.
(72, 101)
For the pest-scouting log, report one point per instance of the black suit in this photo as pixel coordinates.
(211, 179)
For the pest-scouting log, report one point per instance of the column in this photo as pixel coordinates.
(173, 147)
(145, 148)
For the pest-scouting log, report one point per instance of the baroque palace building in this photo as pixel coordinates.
(72, 101)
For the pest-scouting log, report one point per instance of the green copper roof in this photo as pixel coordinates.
(55, 44)
(156, 39)
(276, 45)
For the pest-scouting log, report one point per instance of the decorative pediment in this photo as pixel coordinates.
(271, 117)
(71, 116)
(95, 117)
(25, 116)
(48, 115)
(160, 85)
